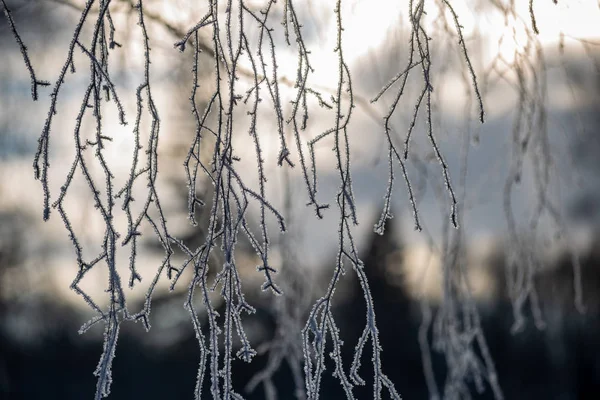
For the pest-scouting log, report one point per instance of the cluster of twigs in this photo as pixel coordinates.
(457, 330)
(101, 87)
(321, 322)
(530, 144)
(419, 56)
(236, 55)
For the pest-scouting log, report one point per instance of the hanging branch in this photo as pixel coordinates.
(101, 85)
(231, 195)
(420, 56)
(43, 141)
(289, 310)
(320, 322)
(98, 76)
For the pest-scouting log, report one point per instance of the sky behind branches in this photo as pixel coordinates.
(372, 33)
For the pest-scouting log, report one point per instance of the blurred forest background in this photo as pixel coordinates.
(43, 356)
